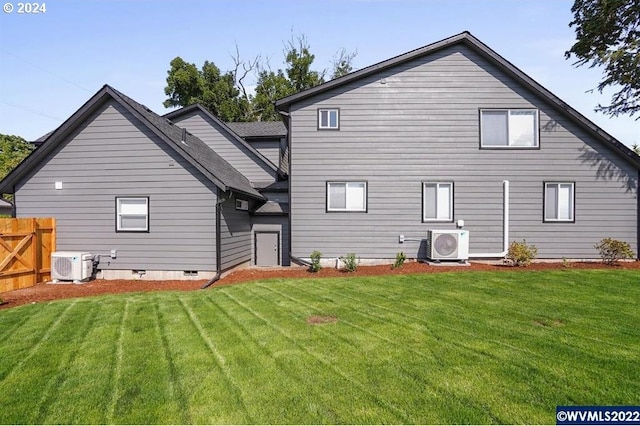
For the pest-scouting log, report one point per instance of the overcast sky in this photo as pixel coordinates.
(53, 62)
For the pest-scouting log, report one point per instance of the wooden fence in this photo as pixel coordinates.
(26, 245)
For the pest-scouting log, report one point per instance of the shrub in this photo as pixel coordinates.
(315, 261)
(400, 258)
(521, 254)
(350, 262)
(613, 250)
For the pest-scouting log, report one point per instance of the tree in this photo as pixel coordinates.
(217, 92)
(343, 63)
(13, 149)
(608, 34)
(271, 86)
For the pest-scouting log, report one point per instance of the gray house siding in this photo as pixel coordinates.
(113, 155)
(237, 155)
(269, 148)
(235, 235)
(419, 121)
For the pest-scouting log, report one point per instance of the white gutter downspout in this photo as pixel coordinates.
(505, 227)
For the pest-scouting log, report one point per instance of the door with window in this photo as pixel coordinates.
(267, 248)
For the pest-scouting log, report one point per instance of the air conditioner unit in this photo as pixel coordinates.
(71, 266)
(448, 245)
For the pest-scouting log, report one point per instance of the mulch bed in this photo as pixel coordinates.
(45, 292)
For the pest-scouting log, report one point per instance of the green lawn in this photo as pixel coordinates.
(462, 347)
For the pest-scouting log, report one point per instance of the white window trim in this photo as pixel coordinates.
(424, 202)
(508, 111)
(346, 209)
(328, 126)
(572, 202)
(119, 215)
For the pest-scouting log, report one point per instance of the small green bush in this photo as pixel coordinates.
(521, 254)
(315, 261)
(350, 262)
(613, 250)
(400, 258)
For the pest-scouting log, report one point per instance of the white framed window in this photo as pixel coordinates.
(437, 201)
(559, 202)
(328, 119)
(242, 204)
(132, 214)
(347, 196)
(509, 128)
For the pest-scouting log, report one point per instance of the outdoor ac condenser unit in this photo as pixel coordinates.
(71, 266)
(448, 245)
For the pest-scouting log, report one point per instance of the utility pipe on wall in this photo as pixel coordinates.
(505, 226)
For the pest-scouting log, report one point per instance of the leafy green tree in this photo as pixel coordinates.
(186, 85)
(270, 87)
(13, 149)
(608, 34)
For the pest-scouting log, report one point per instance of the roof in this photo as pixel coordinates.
(41, 139)
(194, 151)
(272, 208)
(259, 129)
(507, 67)
(225, 126)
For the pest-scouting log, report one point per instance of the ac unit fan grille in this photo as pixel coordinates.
(63, 266)
(445, 244)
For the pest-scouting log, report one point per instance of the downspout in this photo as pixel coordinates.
(218, 274)
(298, 260)
(505, 227)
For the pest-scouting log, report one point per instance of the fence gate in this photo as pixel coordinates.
(26, 245)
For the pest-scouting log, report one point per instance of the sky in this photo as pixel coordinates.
(53, 62)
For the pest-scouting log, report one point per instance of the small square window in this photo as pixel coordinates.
(242, 204)
(132, 214)
(347, 196)
(437, 201)
(510, 128)
(329, 119)
(559, 202)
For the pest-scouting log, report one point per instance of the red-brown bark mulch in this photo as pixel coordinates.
(45, 292)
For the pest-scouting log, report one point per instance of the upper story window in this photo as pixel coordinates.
(346, 196)
(509, 128)
(437, 202)
(132, 214)
(328, 119)
(559, 202)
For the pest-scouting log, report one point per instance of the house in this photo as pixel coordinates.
(451, 131)
(119, 177)
(256, 150)
(368, 163)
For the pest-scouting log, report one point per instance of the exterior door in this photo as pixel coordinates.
(267, 248)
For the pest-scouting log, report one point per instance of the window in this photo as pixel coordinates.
(329, 119)
(347, 196)
(514, 128)
(559, 202)
(132, 214)
(437, 201)
(242, 204)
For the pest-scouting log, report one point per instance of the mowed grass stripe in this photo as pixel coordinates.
(418, 391)
(449, 348)
(354, 391)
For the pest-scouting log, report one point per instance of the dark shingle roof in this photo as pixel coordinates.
(259, 129)
(485, 51)
(196, 152)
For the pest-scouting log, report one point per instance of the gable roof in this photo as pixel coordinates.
(194, 151)
(259, 129)
(485, 51)
(197, 107)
